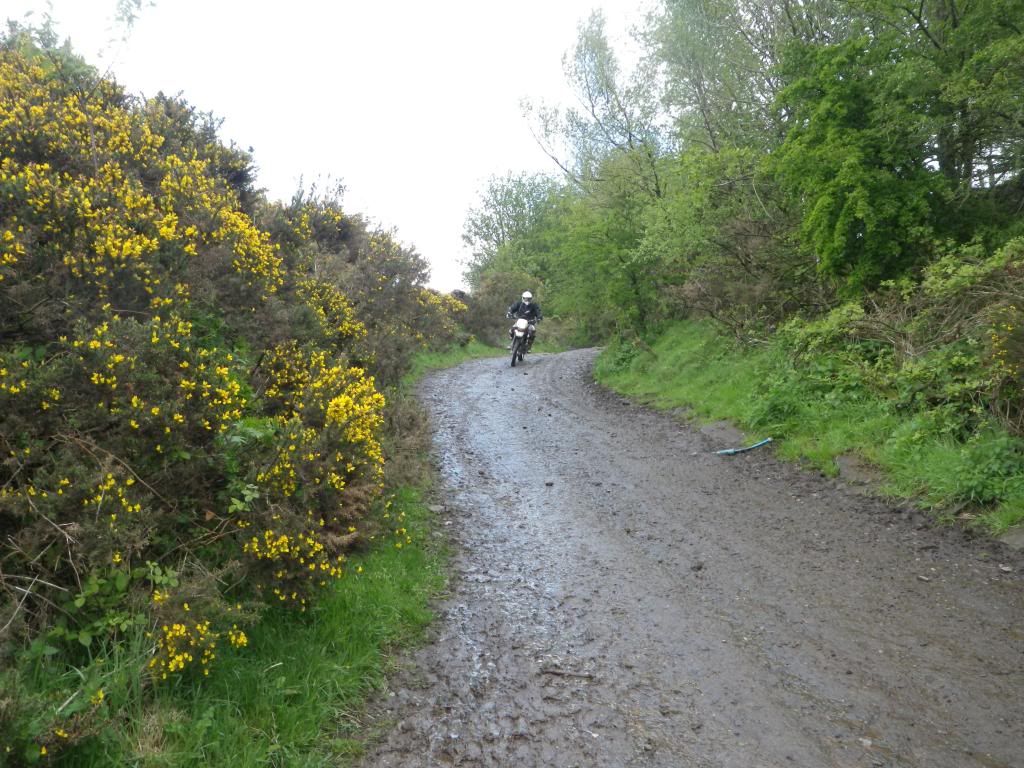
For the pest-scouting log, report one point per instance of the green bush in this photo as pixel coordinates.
(991, 469)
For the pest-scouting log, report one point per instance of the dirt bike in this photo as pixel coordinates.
(520, 340)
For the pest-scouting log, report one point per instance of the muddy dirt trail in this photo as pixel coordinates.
(622, 596)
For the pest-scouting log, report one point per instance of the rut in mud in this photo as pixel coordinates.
(622, 596)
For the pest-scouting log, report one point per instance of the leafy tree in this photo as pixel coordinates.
(723, 234)
(855, 158)
(615, 169)
(617, 115)
(968, 58)
(721, 243)
(720, 59)
(510, 209)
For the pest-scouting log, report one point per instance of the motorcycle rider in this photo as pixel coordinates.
(526, 308)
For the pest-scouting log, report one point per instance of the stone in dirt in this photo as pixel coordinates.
(856, 471)
(1014, 538)
(723, 432)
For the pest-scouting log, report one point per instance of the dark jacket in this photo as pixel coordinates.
(530, 311)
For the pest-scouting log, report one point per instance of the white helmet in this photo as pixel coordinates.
(527, 297)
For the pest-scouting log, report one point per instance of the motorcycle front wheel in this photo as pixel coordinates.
(517, 344)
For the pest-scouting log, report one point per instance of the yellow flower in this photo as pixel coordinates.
(97, 697)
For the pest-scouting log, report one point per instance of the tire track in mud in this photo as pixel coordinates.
(622, 596)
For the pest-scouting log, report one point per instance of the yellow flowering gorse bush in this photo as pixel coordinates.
(189, 399)
(184, 384)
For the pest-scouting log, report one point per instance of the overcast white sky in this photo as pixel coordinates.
(412, 105)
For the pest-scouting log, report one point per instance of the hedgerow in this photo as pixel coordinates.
(950, 343)
(190, 393)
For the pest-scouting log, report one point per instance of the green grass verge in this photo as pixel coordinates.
(429, 361)
(296, 695)
(691, 365)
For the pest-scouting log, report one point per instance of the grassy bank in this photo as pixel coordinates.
(763, 391)
(429, 361)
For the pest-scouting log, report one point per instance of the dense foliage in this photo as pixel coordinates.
(840, 179)
(191, 383)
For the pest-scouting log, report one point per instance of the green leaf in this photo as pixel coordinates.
(32, 754)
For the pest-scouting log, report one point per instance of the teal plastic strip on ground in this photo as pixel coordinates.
(731, 451)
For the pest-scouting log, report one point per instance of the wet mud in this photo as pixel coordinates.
(622, 596)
